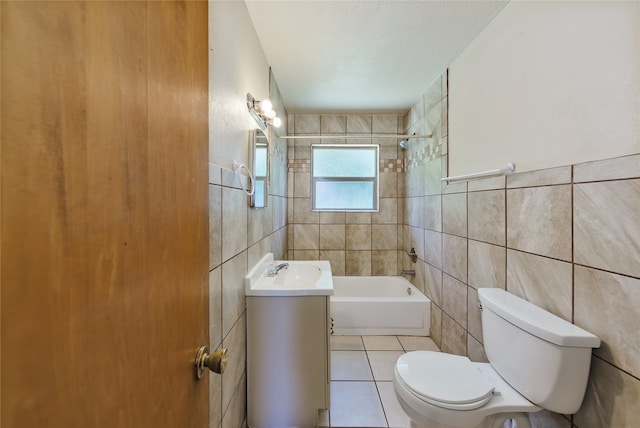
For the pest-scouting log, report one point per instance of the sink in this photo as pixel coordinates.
(301, 278)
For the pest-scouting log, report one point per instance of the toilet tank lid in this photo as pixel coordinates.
(535, 320)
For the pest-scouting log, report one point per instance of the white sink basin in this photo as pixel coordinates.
(300, 278)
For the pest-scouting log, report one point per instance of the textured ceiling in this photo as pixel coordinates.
(363, 56)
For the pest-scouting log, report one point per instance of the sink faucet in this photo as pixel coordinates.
(274, 269)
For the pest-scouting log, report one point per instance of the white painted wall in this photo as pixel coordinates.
(547, 84)
(237, 65)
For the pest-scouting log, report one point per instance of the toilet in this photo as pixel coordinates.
(536, 361)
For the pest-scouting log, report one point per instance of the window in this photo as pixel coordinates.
(344, 177)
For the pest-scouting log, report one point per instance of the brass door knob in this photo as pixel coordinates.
(216, 362)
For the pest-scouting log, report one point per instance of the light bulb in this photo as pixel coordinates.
(270, 114)
(276, 122)
(265, 106)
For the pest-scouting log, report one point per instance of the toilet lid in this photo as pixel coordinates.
(445, 380)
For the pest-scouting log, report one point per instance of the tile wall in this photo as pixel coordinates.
(239, 237)
(566, 239)
(354, 243)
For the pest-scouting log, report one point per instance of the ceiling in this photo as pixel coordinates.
(357, 56)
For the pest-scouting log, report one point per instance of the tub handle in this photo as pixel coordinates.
(413, 255)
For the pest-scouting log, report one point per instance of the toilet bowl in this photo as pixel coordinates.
(536, 361)
(439, 390)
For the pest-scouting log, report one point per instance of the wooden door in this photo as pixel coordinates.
(104, 260)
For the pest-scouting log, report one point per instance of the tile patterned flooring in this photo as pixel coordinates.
(362, 380)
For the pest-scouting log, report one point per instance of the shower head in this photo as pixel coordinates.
(404, 144)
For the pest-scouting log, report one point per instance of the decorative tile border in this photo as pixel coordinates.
(298, 165)
(390, 165)
(304, 165)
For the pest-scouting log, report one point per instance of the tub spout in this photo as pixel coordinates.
(409, 272)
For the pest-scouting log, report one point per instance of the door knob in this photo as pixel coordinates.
(216, 362)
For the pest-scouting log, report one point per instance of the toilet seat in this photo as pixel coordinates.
(444, 380)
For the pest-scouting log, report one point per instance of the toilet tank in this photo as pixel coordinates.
(542, 356)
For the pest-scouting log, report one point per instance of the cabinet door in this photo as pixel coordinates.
(286, 360)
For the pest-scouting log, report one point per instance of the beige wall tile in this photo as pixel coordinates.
(233, 297)
(416, 242)
(453, 293)
(454, 214)
(475, 350)
(433, 283)
(492, 183)
(454, 337)
(384, 124)
(415, 211)
(337, 260)
(487, 216)
(607, 225)
(358, 218)
(383, 237)
(384, 263)
(215, 401)
(545, 418)
(306, 255)
(215, 226)
(433, 213)
(332, 217)
(306, 236)
(539, 220)
(436, 324)
(358, 263)
(432, 176)
(611, 399)
(433, 248)
(543, 177)
(607, 305)
(332, 236)
(453, 187)
(302, 185)
(302, 211)
(215, 307)
(260, 224)
(388, 184)
(235, 341)
(333, 124)
(358, 236)
(388, 213)
(544, 282)
(307, 124)
(418, 280)
(487, 265)
(609, 169)
(358, 124)
(474, 316)
(235, 413)
(234, 221)
(454, 254)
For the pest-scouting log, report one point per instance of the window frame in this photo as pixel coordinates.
(375, 180)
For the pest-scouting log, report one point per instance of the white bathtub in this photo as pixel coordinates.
(378, 305)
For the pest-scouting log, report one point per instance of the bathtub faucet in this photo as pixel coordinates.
(274, 269)
(410, 272)
(413, 255)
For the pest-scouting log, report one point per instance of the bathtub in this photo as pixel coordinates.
(378, 305)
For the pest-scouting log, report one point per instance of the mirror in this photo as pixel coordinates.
(259, 164)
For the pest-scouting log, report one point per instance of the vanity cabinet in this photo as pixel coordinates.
(288, 360)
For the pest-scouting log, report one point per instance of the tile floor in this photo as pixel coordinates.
(362, 380)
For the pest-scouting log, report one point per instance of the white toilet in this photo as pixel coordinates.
(536, 361)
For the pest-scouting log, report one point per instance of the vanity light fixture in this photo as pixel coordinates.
(263, 112)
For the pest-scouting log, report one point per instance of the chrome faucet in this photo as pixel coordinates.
(274, 269)
(410, 272)
(413, 255)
